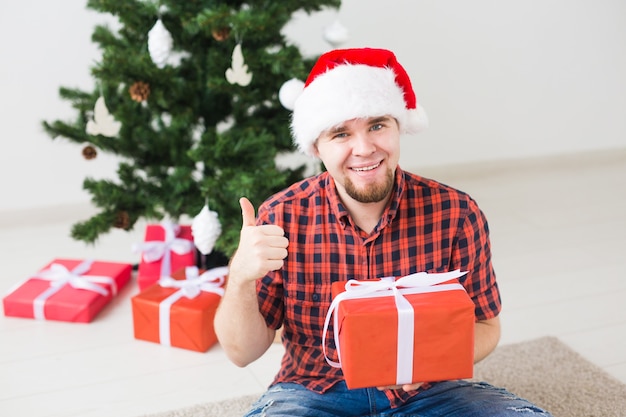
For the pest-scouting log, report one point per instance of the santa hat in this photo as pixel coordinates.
(347, 84)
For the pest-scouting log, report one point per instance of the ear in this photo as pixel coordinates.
(314, 151)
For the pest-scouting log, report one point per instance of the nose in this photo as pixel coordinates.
(362, 145)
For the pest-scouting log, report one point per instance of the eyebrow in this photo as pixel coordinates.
(335, 129)
(370, 120)
(380, 119)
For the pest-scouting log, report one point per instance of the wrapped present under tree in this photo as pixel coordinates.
(167, 247)
(67, 290)
(179, 310)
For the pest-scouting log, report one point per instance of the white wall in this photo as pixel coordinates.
(44, 44)
(499, 79)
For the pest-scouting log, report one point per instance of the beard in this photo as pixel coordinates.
(373, 193)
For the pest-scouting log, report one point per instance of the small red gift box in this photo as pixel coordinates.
(419, 328)
(179, 310)
(167, 247)
(67, 290)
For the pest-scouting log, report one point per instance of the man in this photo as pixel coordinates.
(363, 218)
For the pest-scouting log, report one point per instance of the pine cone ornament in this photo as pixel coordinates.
(139, 91)
(221, 34)
(89, 152)
(122, 220)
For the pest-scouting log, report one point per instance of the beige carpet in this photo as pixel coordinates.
(544, 371)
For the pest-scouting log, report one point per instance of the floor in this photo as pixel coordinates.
(559, 241)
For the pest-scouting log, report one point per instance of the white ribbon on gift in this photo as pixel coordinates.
(420, 282)
(59, 276)
(155, 250)
(210, 281)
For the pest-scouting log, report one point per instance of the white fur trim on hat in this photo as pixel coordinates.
(347, 92)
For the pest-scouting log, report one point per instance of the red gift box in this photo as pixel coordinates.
(179, 310)
(419, 328)
(67, 290)
(167, 247)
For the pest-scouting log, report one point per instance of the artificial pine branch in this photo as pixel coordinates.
(176, 152)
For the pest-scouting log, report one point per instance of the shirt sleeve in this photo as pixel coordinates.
(472, 253)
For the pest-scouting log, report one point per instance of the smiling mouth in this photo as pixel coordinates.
(367, 168)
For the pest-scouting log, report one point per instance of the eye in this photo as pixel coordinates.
(337, 134)
(377, 126)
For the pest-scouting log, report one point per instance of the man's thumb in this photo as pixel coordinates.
(247, 212)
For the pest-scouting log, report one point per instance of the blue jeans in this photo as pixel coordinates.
(449, 399)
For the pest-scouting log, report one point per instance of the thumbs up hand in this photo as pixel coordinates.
(261, 248)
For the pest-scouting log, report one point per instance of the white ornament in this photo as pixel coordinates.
(289, 92)
(225, 125)
(160, 44)
(238, 71)
(176, 57)
(336, 34)
(103, 122)
(206, 228)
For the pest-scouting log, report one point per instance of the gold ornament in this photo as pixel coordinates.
(139, 91)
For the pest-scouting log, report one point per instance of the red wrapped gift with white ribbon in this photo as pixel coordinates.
(418, 328)
(167, 247)
(178, 311)
(67, 290)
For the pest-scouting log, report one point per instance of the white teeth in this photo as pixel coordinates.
(369, 168)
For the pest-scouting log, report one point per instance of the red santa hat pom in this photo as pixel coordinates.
(347, 84)
(289, 92)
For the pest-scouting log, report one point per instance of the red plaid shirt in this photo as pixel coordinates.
(427, 226)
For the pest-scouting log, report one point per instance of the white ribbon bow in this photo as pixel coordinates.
(59, 276)
(152, 251)
(420, 282)
(210, 281)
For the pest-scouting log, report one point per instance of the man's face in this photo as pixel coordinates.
(362, 156)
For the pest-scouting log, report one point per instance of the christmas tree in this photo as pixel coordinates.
(186, 94)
